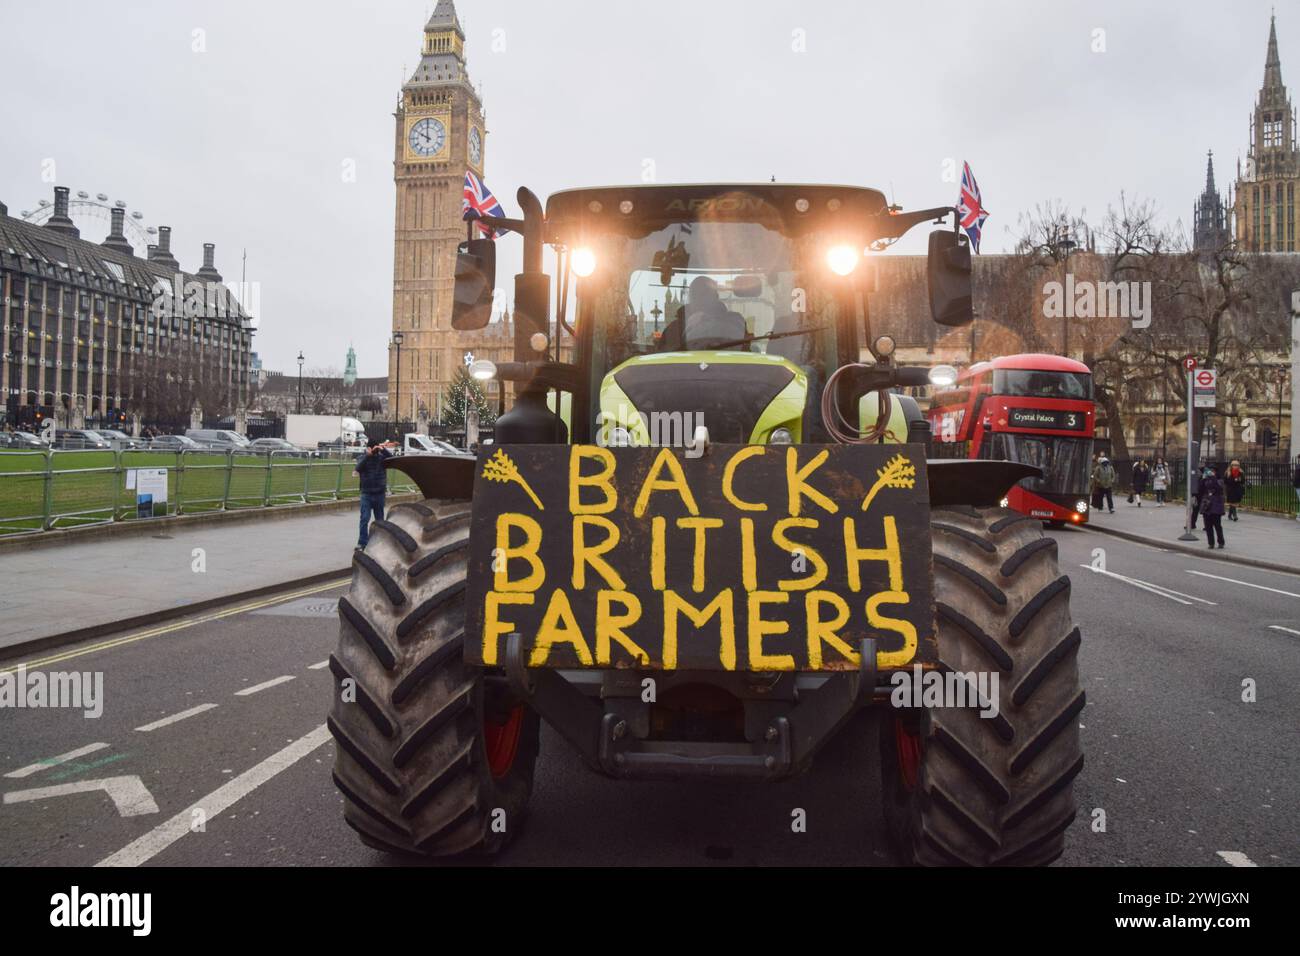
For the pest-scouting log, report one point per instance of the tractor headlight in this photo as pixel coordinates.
(584, 262)
(780, 436)
(620, 437)
(842, 259)
(1081, 506)
(943, 375)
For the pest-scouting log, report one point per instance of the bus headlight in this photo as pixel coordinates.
(1004, 503)
(1081, 506)
(780, 436)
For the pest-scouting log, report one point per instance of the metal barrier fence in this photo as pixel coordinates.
(56, 488)
(1269, 483)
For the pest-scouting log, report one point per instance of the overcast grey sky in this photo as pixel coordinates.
(243, 144)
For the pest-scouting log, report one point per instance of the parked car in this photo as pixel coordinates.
(267, 446)
(81, 439)
(414, 443)
(23, 441)
(174, 443)
(218, 439)
(120, 439)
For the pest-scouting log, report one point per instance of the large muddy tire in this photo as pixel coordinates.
(960, 789)
(432, 756)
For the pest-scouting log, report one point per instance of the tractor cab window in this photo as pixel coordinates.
(711, 286)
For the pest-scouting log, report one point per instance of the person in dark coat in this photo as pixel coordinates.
(1234, 488)
(374, 484)
(1295, 483)
(1141, 474)
(1212, 506)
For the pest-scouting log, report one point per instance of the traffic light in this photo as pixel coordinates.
(1270, 438)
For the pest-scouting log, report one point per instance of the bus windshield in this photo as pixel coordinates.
(1032, 383)
(1064, 461)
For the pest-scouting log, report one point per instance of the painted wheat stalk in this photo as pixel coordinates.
(897, 473)
(500, 468)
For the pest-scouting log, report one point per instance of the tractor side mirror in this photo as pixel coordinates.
(948, 271)
(476, 272)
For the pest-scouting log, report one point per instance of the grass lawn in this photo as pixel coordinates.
(90, 486)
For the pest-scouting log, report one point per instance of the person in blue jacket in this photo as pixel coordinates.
(374, 484)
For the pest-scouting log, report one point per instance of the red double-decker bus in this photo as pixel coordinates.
(1035, 409)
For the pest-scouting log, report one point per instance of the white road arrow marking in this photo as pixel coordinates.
(218, 801)
(54, 761)
(131, 797)
(1153, 588)
(1242, 583)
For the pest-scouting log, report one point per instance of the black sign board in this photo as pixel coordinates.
(746, 557)
(1056, 418)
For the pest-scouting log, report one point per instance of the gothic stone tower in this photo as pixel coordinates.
(439, 133)
(1265, 207)
(1209, 217)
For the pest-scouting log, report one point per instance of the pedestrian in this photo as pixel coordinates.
(1295, 483)
(374, 484)
(1212, 506)
(1196, 497)
(1141, 474)
(1234, 488)
(1103, 477)
(1160, 481)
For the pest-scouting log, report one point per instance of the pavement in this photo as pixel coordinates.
(1258, 539)
(79, 588)
(221, 720)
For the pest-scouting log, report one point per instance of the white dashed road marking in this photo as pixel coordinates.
(54, 761)
(1279, 627)
(149, 845)
(316, 667)
(1236, 858)
(175, 718)
(263, 686)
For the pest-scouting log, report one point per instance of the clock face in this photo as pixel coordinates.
(475, 146)
(427, 137)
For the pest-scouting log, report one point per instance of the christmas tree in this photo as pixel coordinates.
(453, 402)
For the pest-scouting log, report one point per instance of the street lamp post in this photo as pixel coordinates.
(300, 361)
(1281, 384)
(1067, 244)
(397, 392)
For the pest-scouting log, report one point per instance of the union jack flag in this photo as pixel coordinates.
(970, 209)
(477, 201)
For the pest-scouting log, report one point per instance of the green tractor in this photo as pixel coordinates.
(705, 538)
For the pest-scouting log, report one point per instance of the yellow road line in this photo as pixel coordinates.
(177, 626)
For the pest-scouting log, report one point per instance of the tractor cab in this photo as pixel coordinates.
(722, 306)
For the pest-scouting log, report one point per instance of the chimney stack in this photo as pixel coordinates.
(151, 252)
(4, 210)
(163, 253)
(116, 239)
(209, 271)
(60, 221)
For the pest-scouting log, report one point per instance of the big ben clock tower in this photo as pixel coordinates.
(440, 133)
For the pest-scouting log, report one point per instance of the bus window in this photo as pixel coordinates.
(1031, 383)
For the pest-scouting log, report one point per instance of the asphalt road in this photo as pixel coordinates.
(1184, 771)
